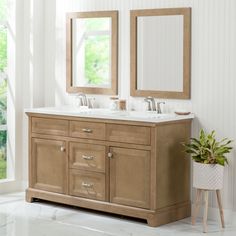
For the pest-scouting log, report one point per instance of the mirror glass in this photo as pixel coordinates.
(92, 52)
(91, 39)
(160, 53)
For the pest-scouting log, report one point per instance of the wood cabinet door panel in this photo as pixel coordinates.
(130, 177)
(87, 156)
(87, 184)
(129, 134)
(49, 165)
(50, 126)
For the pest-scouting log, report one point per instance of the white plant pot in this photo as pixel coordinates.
(208, 176)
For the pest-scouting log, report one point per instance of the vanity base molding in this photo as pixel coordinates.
(154, 218)
(129, 168)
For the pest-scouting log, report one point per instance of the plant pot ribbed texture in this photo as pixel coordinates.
(208, 176)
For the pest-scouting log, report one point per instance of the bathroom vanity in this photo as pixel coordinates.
(125, 163)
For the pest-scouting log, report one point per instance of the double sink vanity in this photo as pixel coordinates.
(128, 163)
(124, 162)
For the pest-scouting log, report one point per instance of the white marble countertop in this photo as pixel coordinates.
(100, 113)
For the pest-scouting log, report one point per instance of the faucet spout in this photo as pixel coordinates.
(151, 102)
(83, 99)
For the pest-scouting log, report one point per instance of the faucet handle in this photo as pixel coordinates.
(158, 104)
(90, 102)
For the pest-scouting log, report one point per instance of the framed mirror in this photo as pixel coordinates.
(160, 53)
(91, 48)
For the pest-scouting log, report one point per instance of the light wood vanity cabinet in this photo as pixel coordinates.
(130, 168)
(50, 165)
(130, 177)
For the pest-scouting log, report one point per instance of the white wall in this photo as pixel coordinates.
(213, 64)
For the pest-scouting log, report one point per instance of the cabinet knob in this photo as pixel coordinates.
(86, 130)
(110, 155)
(62, 149)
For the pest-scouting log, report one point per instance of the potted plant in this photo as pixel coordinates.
(209, 160)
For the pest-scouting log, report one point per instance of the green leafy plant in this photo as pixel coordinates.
(206, 149)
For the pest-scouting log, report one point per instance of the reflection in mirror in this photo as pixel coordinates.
(91, 41)
(92, 52)
(163, 35)
(160, 53)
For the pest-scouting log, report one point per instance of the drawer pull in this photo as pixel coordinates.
(89, 158)
(62, 149)
(87, 130)
(87, 185)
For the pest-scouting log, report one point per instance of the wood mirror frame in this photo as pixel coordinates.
(114, 53)
(134, 14)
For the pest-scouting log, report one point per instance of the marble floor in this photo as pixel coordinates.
(19, 218)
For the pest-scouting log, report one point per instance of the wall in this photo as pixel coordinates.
(213, 65)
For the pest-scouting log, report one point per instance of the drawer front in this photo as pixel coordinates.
(50, 126)
(87, 184)
(87, 130)
(87, 156)
(129, 134)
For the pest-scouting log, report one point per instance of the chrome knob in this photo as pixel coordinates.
(110, 155)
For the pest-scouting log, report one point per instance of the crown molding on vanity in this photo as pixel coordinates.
(122, 163)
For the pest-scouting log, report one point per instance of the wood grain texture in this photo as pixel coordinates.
(154, 218)
(50, 126)
(89, 157)
(130, 177)
(87, 130)
(128, 134)
(218, 195)
(114, 53)
(49, 170)
(134, 14)
(173, 166)
(131, 166)
(196, 205)
(87, 184)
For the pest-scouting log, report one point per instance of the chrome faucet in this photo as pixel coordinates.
(158, 106)
(83, 99)
(151, 103)
(153, 106)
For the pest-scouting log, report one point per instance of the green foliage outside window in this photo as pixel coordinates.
(3, 88)
(97, 51)
(97, 59)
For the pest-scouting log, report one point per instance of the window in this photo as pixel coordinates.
(3, 90)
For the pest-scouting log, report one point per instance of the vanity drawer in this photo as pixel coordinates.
(87, 156)
(129, 134)
(87, 184)
(50, 126)
(89, 130)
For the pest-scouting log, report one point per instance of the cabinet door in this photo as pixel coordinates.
(49, 165)
(130, 177)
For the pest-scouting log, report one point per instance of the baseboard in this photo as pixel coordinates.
(214, 215)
